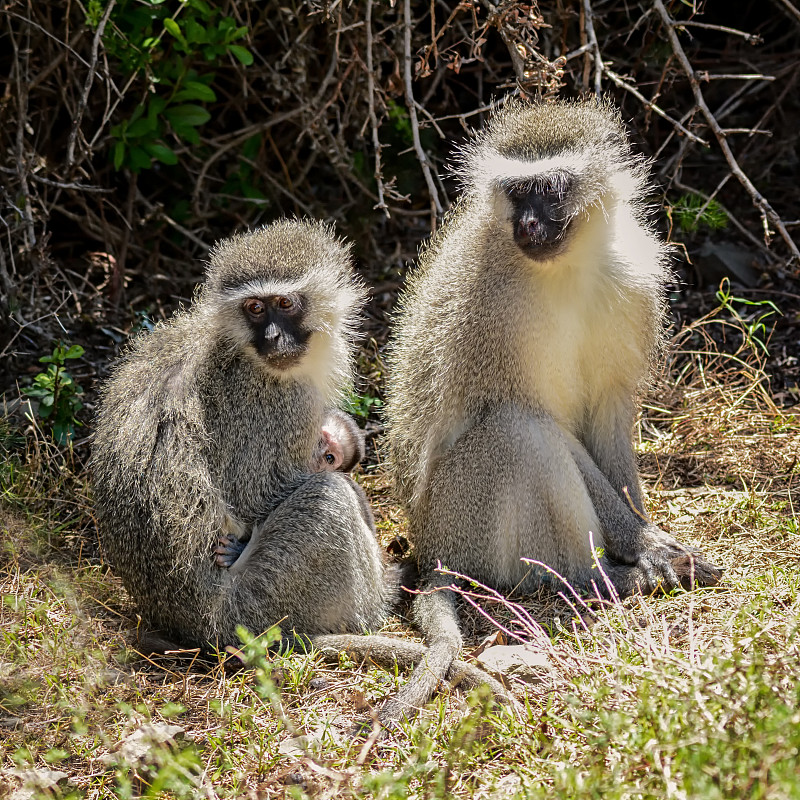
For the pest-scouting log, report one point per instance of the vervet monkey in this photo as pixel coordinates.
(208, 426)
(523, 337)
(207, 429)
(341, 444)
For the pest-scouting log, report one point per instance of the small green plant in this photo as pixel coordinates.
(691, 211)
(57, 394)
(176, 56)
(754, 329)
(360, 405)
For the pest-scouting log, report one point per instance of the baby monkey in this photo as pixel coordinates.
(341, 444)
(340, 449)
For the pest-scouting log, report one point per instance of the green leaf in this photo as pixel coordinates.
(137, 112)
(195, 33)
(188, 114)
(119, 155)
(62, 432)
(139, 159)
(187, 133)
(172, 27)
(156, 106)
(201, 6)
(251, 147)
(141, 127)
(76, 351)
(244, 56)
(194, 90)
(161, 153)
(35, 391)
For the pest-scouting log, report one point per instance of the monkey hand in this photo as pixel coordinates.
(678, 564)
(228, 549)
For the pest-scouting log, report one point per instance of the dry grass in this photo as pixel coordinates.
(692, 695)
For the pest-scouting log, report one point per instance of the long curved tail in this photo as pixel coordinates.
(435, 614)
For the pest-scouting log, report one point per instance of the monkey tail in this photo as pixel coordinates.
(435, 665)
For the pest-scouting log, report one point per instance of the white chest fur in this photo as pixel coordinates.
(582, 342)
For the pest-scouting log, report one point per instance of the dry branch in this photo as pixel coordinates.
(758, 199)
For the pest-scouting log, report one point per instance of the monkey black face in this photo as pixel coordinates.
(540, 217)
(276, 324)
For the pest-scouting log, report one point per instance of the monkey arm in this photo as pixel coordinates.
(608, 442)
(628, 538)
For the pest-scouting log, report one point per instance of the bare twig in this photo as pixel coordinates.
(789, 8)
(768, 213)
(704, 75)
(61, 184)
(171, 222)
(590, 34)
(422, 157)
(76, 123)
(750, 38)
(623, 84)
(376, 143)
(20, 62)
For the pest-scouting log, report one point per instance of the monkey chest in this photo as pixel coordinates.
(576, 356)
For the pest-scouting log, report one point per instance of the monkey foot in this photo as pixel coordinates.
(228, 549)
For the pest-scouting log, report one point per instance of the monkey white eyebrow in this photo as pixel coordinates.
(499, 169)
(264, 289)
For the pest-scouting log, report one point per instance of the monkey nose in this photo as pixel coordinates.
(532, 225)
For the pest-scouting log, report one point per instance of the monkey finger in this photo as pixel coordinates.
(658, 572)
(693, 570)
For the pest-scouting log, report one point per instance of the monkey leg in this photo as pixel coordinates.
(631, 538)
(313, 565)
(509, 488)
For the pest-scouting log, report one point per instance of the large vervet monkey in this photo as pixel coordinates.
(523, 337)
(209, 428)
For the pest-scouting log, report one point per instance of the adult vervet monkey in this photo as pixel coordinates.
(207, 428)
(524, 335)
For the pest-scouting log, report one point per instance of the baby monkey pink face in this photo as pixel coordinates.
(340, 446)
(277, 328)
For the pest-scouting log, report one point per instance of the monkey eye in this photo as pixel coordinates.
(330, 458)
(285, 303)
(254, 307)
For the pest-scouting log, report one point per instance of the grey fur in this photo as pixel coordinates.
(197, 436)
(514, 379)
